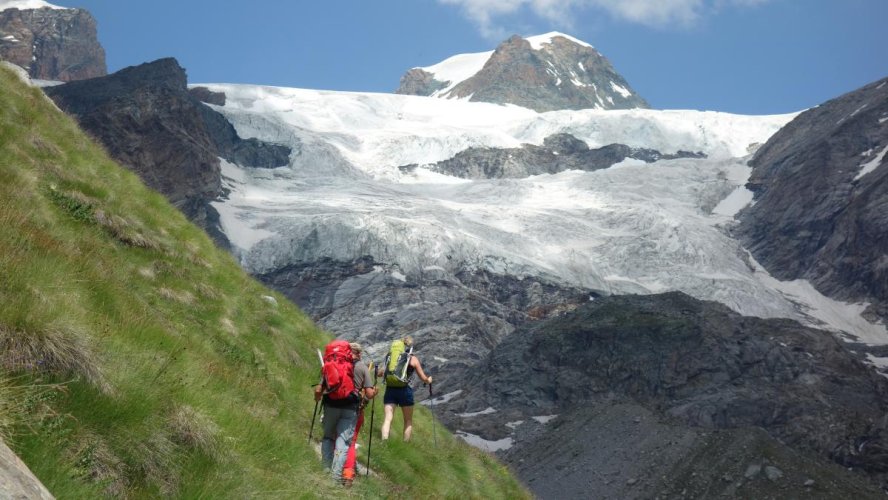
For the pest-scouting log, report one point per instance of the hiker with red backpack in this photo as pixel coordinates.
(366, 387)
(399, 367)
(341, 401)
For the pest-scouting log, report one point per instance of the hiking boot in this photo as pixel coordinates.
(348, 477)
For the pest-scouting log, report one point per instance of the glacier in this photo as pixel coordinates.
(634, 228)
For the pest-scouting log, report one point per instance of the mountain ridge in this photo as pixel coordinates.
(544, 73)
(149, 121)
(819, 185)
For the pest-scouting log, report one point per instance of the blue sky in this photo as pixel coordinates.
(740, 56)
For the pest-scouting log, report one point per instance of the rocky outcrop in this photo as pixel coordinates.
(456, 319)
(150, 123)
(821, 188)
(206, 95)
(419, 82)
(558, 153)
(561, 74)
(620, 449)
(245, 152)
(693, 363)
(16, 480)
(52, 44)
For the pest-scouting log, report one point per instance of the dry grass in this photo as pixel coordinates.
(158, 463)
(194, 430)
(54, 351)
(183, 297)
(97, 463)
(208, 292)
(12, 407)
(228, 326)
(124, 231)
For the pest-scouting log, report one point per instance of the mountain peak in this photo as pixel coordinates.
(27, 5)
(538, 41)
(543, 72)
(50, 42)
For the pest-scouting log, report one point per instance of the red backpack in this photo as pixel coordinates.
(338, 370)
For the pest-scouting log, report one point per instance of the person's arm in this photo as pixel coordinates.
(369, 390)
(414, 362)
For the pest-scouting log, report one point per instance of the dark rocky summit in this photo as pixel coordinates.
(816, 217)
(686, 368)
(562, 74)
(150, 123)
(558, 153)
(52, 44)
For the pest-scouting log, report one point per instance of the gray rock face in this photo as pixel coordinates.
(620, 449)
(693, 363)
(245, 152)
(148, 121)
(419, 82)
(16, 480)
(52, 44)
(456, 319)
(558, 153)
(561, 75)
(206, 95)
(815, 217)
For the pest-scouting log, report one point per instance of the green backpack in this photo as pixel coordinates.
(396, 363)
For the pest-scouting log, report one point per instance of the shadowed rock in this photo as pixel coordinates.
(150, 123)
(558, 153)
(692, 363)
(815, 216)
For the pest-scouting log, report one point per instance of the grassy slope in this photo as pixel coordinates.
(144, 362)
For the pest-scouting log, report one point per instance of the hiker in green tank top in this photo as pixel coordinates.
(400, 366)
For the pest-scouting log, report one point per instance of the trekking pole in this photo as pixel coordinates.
(432, 407)
(370, 442)
(313, 415)
(315, 412)
(372, 411)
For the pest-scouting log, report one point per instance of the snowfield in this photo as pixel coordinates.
(632, 228)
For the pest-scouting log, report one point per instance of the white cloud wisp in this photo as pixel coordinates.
(653, 13)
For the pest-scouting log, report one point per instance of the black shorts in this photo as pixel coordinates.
(401, 396)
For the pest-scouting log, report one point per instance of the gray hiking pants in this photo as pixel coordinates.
(339, 428)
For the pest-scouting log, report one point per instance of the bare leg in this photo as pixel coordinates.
(387, 421)
(408, 421)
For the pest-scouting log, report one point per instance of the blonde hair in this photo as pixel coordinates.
(408, 340)
(356, 347)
